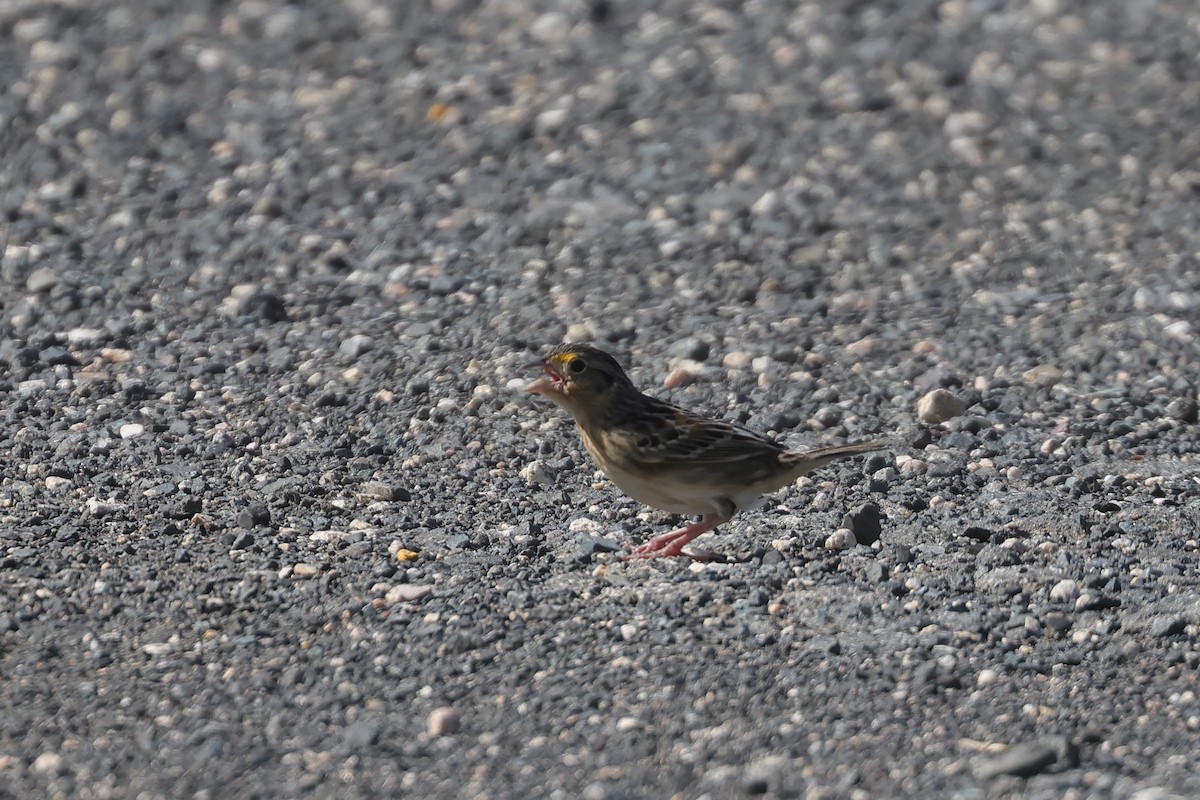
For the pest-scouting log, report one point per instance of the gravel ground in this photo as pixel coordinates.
(276, 519)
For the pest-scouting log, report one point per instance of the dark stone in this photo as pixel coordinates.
(864, 521)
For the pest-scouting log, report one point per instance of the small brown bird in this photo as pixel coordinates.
(666, 457)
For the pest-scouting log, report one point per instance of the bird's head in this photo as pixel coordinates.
(580, 378)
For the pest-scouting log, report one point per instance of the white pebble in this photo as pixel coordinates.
(132, 430)
(583, 525)
(1064, 591)
(443, 721)
(536, 472)
(84, 337)
(738, 359)
(841, 539)
(48, 762)
(938, 406)
(1050, 445)
(407, 592)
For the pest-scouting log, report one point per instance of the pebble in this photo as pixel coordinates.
(863, 523)
(407, 592)
(1027, 759)
(380, 490)
(357, 345)
(1065, 591)
(537, 473)
(1042, 375)
(48, 762)
(42, 279)
(1090, 601)
(1183, 409)
(132, 430)
(841, 539)
(590, 544)
(680, 377)
(1161, 627)
(1050, 446)
(737, 360)
(690, 349)
(584, 525)
(443, 722)
(938, 406)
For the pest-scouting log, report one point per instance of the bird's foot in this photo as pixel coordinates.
(671, 544)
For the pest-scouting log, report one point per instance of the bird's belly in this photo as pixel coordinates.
(666, 493)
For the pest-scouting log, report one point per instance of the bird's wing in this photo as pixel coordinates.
(665, 434)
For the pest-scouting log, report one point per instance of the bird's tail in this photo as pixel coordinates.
(805, 461)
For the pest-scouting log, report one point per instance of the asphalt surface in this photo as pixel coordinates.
(276, 519)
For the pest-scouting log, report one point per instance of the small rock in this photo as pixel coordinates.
(42, 279)
(132, 431)
(378, 490)
(1095, 602)
(458, 541)
(864, 523)
(841, 539)
(738, 359)
(876, 573)
(253, 516)
(357, 345)
(1183, 409)
(1065, 591)
(1042, 375)
(679, 378)
(977, 533)
(407, 592)
(1023, 760)
(48, 762)
(536, 472)
(56, 355)
(264, 304)
(1167, 626)
(305, 571)
(938, 406)
(1057, 623)
(584, 525)
(547, 123)
(443, 721)
(590, 545)
(692, 349)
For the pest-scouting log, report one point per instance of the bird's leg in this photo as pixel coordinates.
(672, 544)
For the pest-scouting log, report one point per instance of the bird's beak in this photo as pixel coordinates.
(547, 384)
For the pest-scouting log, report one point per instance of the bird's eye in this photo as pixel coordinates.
(578, 365)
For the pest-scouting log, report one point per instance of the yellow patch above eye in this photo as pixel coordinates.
(564, 358)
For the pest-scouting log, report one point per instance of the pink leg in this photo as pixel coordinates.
(672, 544)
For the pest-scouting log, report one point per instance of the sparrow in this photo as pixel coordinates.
(667, 457)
